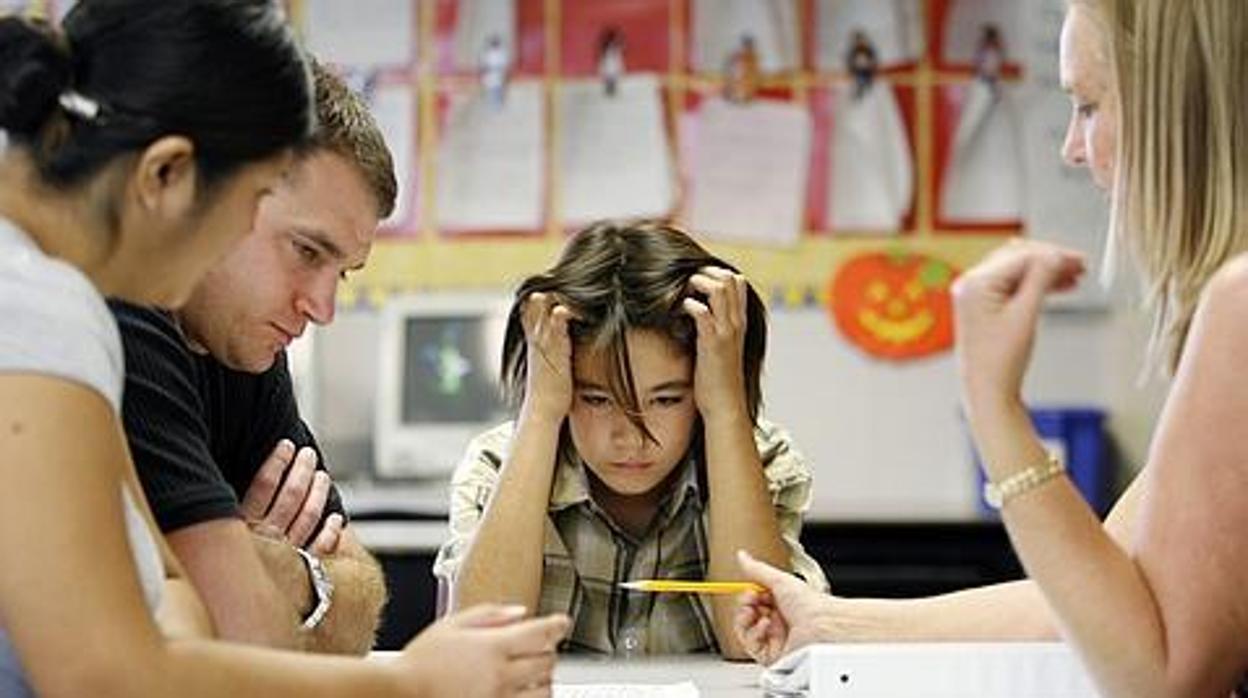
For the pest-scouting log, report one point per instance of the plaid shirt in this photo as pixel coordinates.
(587, 554)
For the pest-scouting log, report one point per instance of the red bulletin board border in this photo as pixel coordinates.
(644, 25)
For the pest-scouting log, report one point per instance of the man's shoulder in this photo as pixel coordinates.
(142, 315)
(147, 328)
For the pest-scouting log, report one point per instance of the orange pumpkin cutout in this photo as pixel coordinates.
(894, 305)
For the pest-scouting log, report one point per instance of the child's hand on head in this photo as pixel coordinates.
(719, 376)
(548, 385)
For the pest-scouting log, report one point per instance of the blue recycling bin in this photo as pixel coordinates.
(1077, 435)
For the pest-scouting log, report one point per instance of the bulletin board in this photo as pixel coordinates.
(492, 187)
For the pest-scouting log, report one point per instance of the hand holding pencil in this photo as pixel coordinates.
(787, 616)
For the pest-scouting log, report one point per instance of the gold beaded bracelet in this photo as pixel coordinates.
(999, 494)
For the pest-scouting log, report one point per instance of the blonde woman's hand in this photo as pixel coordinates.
(719, 376)
(783, 619)
(996, 307)
(486, 651)
(548, 384)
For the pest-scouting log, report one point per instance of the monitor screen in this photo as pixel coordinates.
(437, 380)
(448, 373)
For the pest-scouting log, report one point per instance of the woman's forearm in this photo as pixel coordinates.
(1062, 545)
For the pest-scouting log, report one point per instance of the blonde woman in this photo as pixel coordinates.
(1152, 599)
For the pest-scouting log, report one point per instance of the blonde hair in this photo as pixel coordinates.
(1180, 188)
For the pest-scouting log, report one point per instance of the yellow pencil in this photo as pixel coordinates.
(681, 586)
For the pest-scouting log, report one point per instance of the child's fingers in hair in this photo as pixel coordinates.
(701, 316)
(743, 299)
(717, 293)
(560, 316)
(533, 308)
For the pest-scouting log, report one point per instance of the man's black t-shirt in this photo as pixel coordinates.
(199, 431)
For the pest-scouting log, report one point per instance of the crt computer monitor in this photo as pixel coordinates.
(438, 380)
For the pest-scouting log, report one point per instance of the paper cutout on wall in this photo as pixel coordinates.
(895, 28)
(983, 179)
(490, 163)
(871, 174)
(749, 163)
(895, 304)
(615, 159)
(477, 24)
(361, 33)
(720, 26)
(965, 23)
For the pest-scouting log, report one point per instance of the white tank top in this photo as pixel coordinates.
(56, 323)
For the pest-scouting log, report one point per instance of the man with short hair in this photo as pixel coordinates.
(233, 474)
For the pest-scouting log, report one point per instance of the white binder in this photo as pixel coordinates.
(931, 670)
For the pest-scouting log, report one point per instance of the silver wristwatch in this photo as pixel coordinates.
(322, 587)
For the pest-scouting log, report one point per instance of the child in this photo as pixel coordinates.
(637, 452)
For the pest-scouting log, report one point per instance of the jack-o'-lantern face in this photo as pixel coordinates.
(895, 305)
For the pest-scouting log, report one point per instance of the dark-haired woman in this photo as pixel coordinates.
(139, 144)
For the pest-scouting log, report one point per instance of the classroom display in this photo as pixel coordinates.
(755, 121)
(787, 134)
(790, 134)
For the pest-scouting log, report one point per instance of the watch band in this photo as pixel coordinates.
(322, 589)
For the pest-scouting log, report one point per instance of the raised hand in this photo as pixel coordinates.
(290, 509)
(548, 385)
(997, 304)
(719, 376)
(485, 651)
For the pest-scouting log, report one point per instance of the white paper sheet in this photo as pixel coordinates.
(718, 26)
(964, 28)
(895, 28)
(615, 156)
(395, 108)
(475, 22)
(871, 176)
(673, 690)
(490, 162)
(749, 169)
(361, 32)
(983, 180)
